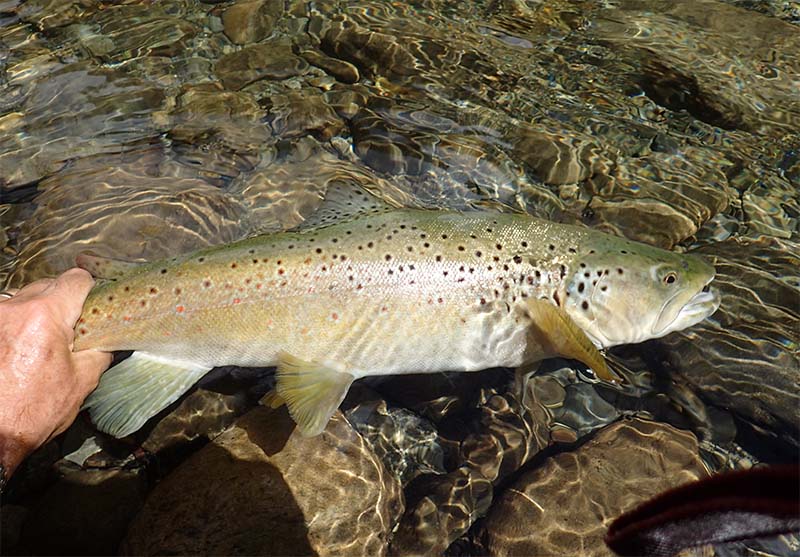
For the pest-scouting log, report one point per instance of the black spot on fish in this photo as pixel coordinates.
(517, 259)
(551, 247)
(581, 287)
(524, 244)
(585, 305)
(620, 271)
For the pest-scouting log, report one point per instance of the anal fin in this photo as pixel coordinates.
(557, 332)
(312, 391)
(138, 388)
(272, 400)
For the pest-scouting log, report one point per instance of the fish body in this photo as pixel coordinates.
(389, 292)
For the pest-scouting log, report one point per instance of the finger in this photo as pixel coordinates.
(31, 290)
(89, 366)
(70, 291)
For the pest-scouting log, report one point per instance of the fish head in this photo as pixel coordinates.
(623, 292)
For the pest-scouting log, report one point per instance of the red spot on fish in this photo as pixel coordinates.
(258, 286)
(178, 291)
(237, 300)
(248, 281)
(84, 331)
(126, 318)
(167, 334)
(81, 320)
(180, 309)
(307, 260)
(142, 303)
(207, 283)
(281, 271)
(228, 285)
(384, 308)
(334, 316)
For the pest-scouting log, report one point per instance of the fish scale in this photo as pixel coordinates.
(370, 290)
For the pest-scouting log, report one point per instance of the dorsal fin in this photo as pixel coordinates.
(344, 201)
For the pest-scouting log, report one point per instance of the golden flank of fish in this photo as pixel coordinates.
(364, 289)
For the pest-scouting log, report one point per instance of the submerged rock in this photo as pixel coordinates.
(128, 211)
(746, 357)
(250, 21)
(261, 488)
(270, 60)
(564, 506)
(85, 512)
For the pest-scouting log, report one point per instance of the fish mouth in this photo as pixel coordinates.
(698, 307)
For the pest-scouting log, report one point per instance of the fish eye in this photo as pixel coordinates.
(671, 277)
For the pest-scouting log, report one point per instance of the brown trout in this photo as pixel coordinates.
(364, 289)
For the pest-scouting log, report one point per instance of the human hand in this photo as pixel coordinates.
(43, 381)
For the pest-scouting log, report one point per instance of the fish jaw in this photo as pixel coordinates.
(700, 306)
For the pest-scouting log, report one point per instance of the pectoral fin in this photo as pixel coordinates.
(136, 389)
(557, 333)
(312, 391)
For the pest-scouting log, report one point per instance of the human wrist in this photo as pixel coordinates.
(13, 450)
